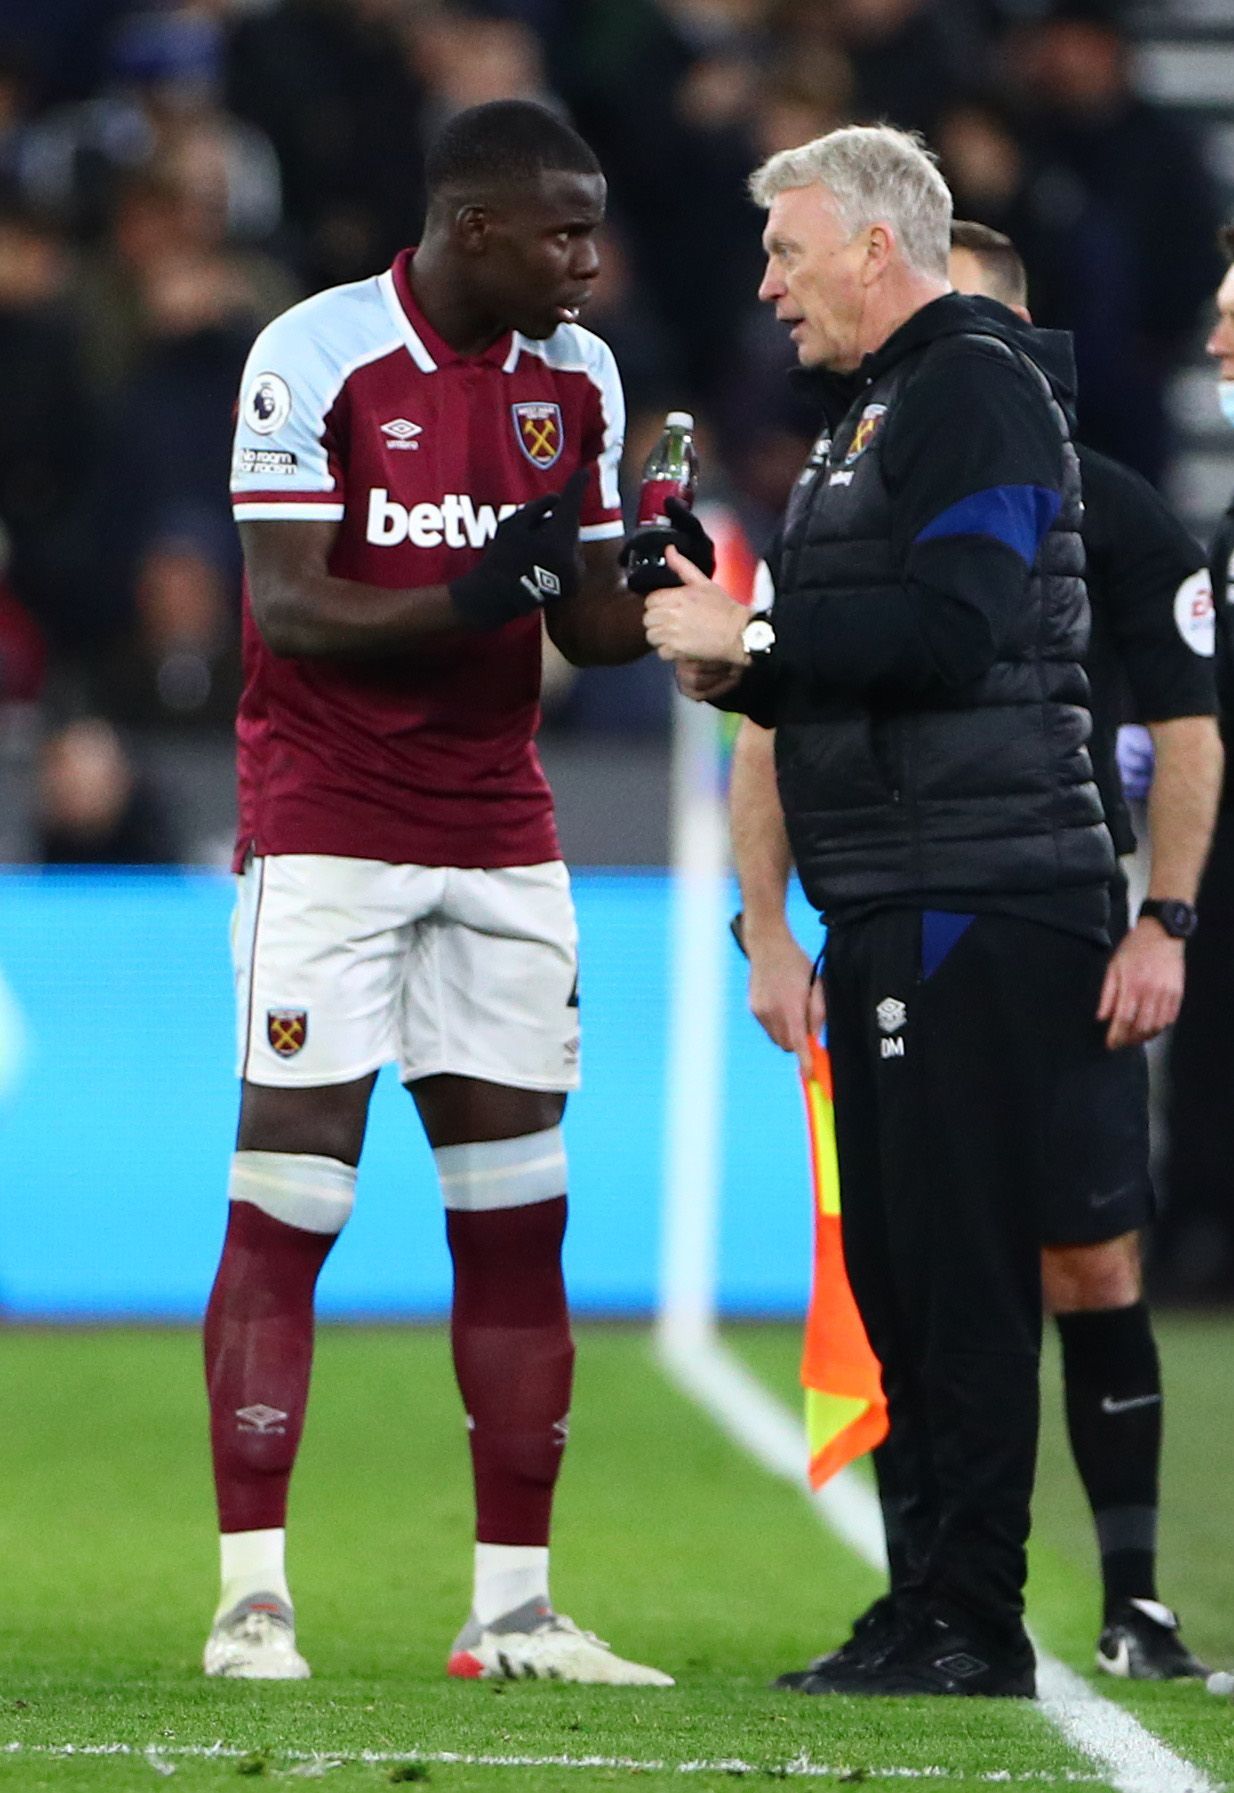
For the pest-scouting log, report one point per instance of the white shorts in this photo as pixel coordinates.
(343, 965)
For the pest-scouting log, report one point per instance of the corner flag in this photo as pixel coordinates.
(846, 1414)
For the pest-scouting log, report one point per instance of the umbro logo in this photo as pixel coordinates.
(402, 433)
(261, 1419)
(540, 583)
(891, 1014)
(961, 1665)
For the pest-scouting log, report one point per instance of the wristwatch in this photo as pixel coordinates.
(1176, 917)
(758, 638)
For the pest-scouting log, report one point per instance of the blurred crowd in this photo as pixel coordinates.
(174, 174)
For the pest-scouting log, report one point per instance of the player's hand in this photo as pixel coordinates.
(1143, 986)
(701, 680)
(695, 620)
(531, 561)
(785, 997)
(687, 534)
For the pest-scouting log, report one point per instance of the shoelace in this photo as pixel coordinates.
(560, 1621)
(261, 1628)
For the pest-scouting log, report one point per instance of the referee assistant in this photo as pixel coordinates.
(921, 665)
(1195, 1244)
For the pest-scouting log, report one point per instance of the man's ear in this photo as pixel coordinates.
(472, 225)
(880, 247)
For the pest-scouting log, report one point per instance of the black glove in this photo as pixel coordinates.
(642, 554)
(531, 561)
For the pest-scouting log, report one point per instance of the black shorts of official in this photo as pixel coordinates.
(1097, 1179)
(1104, 1139)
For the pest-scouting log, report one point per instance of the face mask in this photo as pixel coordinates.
(1225, 398)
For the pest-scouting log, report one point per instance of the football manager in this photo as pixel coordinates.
(921, 667)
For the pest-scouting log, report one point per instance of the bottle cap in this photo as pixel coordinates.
(679, 420)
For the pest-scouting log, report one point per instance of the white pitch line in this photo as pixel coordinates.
(1130, 1756)
(802, 1767)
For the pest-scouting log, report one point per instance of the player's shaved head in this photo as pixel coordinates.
(1002, 268)
(507, 143)
(515, 199)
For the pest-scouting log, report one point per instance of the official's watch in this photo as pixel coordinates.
(1177, 918)
(758, 638)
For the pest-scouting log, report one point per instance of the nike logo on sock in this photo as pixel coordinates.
(1110, 1405)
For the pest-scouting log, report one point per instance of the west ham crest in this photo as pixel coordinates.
(867, 428)
(287, 1030)
(540, 433)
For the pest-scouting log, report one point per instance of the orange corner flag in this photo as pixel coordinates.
(846, 1414)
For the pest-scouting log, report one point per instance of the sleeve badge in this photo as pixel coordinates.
(267, 404)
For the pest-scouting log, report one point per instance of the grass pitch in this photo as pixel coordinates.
(669, 1541)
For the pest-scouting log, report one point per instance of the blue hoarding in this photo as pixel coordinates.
(117, 1114)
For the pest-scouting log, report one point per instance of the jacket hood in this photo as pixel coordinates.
(956, 314)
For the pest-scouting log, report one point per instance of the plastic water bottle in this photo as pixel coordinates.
(671, 472)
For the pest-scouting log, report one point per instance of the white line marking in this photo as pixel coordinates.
(800, 1767)
(1133, 1759)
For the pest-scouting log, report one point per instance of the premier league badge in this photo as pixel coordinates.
(540, 433)
(267, 404)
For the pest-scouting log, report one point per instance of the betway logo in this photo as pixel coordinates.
(456, 521)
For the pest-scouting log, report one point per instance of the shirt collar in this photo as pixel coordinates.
(438, 349)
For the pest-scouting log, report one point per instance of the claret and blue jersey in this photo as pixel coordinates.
(353, 411)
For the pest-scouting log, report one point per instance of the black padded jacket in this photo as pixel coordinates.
(931, 617)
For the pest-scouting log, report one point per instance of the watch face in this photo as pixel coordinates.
(1176, 917)
(758, 637)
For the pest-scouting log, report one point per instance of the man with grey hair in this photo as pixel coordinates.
(921, 667)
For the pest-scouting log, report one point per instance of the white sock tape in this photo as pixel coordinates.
(503, 1173)
(316, 1194)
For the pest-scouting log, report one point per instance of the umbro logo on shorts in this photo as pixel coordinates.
(287, 1030)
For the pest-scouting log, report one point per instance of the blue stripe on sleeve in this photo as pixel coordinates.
(1017, 516)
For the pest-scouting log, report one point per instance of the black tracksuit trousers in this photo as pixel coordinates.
(964, 1051)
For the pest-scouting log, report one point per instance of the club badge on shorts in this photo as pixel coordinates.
(540, 432)
(287, 1030)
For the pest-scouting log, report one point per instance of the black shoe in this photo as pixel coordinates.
(872, 1635)
(940, 1652)
(1141, 1643)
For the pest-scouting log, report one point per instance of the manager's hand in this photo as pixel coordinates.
(696, 620)
(1143, 988)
